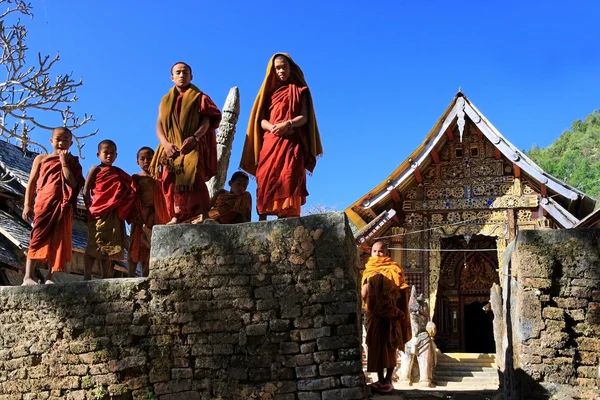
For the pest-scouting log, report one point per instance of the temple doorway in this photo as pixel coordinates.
(463, 315)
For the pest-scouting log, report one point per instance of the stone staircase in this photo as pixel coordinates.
(455, 372)
(473, 370)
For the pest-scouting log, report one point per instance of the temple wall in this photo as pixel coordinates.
(552, 315)
(264, 310)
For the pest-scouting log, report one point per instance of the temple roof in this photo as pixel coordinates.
(565, 204)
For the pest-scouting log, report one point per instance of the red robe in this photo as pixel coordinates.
(51, 236)
(142, 214)
(185, 205)
(281, 171)
(113, 190)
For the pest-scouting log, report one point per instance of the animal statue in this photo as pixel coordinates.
(421, 346)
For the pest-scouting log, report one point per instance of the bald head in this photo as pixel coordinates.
(379, 249)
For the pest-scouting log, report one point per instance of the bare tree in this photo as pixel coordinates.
(29, 97)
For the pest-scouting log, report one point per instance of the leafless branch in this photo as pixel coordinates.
(29, 98)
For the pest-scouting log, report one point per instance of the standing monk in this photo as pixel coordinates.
(385, 294)
(187, 154)
(282, 141)
(50, 197)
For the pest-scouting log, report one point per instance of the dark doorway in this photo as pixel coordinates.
(479, 331)
(466, 277)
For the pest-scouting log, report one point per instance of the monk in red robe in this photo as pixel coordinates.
(109, 196)
(50, 196)
(187, 154)
(142, 215)
(385, 295)
(233, 206)
(282, 141)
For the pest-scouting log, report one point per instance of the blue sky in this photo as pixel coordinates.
(381, 72)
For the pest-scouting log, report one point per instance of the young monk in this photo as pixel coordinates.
(282, 141)
(142, 215)
(109, 196)
(233, 206)
(51, 194)
(187, 154)
(385, 293)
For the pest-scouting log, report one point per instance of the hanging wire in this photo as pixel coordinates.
(442, 250)
(464, 222)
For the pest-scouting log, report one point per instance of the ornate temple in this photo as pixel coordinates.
(449, 211)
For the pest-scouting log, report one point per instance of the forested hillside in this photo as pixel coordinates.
(575, 156)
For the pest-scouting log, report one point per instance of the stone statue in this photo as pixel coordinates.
(421, 346)
(231, 112)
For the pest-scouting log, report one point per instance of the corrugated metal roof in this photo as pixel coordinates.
(14, 229)
(16, 161)
(80, 234)
(9, 254)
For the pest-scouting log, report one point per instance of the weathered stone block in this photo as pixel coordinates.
(553, 313)
(331, 343)
(311, 334)
(340, 368)
(344, 394)
(308, 371)
(317, 384)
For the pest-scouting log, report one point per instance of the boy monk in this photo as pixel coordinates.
(282, 141)
(109, 196)
(50, 196)
(385, 294)
(187, 154)
(233, 206)
(142, 214)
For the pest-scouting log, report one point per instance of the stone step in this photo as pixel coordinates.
(465, 373)
(472, 367)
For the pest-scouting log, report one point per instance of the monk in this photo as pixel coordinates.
(142, 215)
(282, 141)
(385, 295)
(233, 206)
(109, 196)
(187, 154)
(50, 196)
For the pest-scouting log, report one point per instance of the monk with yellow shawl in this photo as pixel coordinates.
(187, 154)
(282, 141)
(385, 295)
(233, 206)
(50, 197)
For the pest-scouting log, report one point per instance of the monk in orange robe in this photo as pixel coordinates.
(282, 141)
(233, 206)
(51, 194)
(385, 295)
(142, 215)
(187, 154)
(109, 196)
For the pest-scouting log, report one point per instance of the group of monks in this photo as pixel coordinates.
(282, 144)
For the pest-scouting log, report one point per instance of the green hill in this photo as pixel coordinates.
(575, 156)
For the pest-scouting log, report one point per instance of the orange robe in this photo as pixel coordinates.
(142, 214)
(231, 208)
(281, 171)
(51, 236)
(185, 201)
(112, 200)
(388, 318)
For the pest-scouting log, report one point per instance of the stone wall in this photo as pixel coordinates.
(552, 284)
(263, 310)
